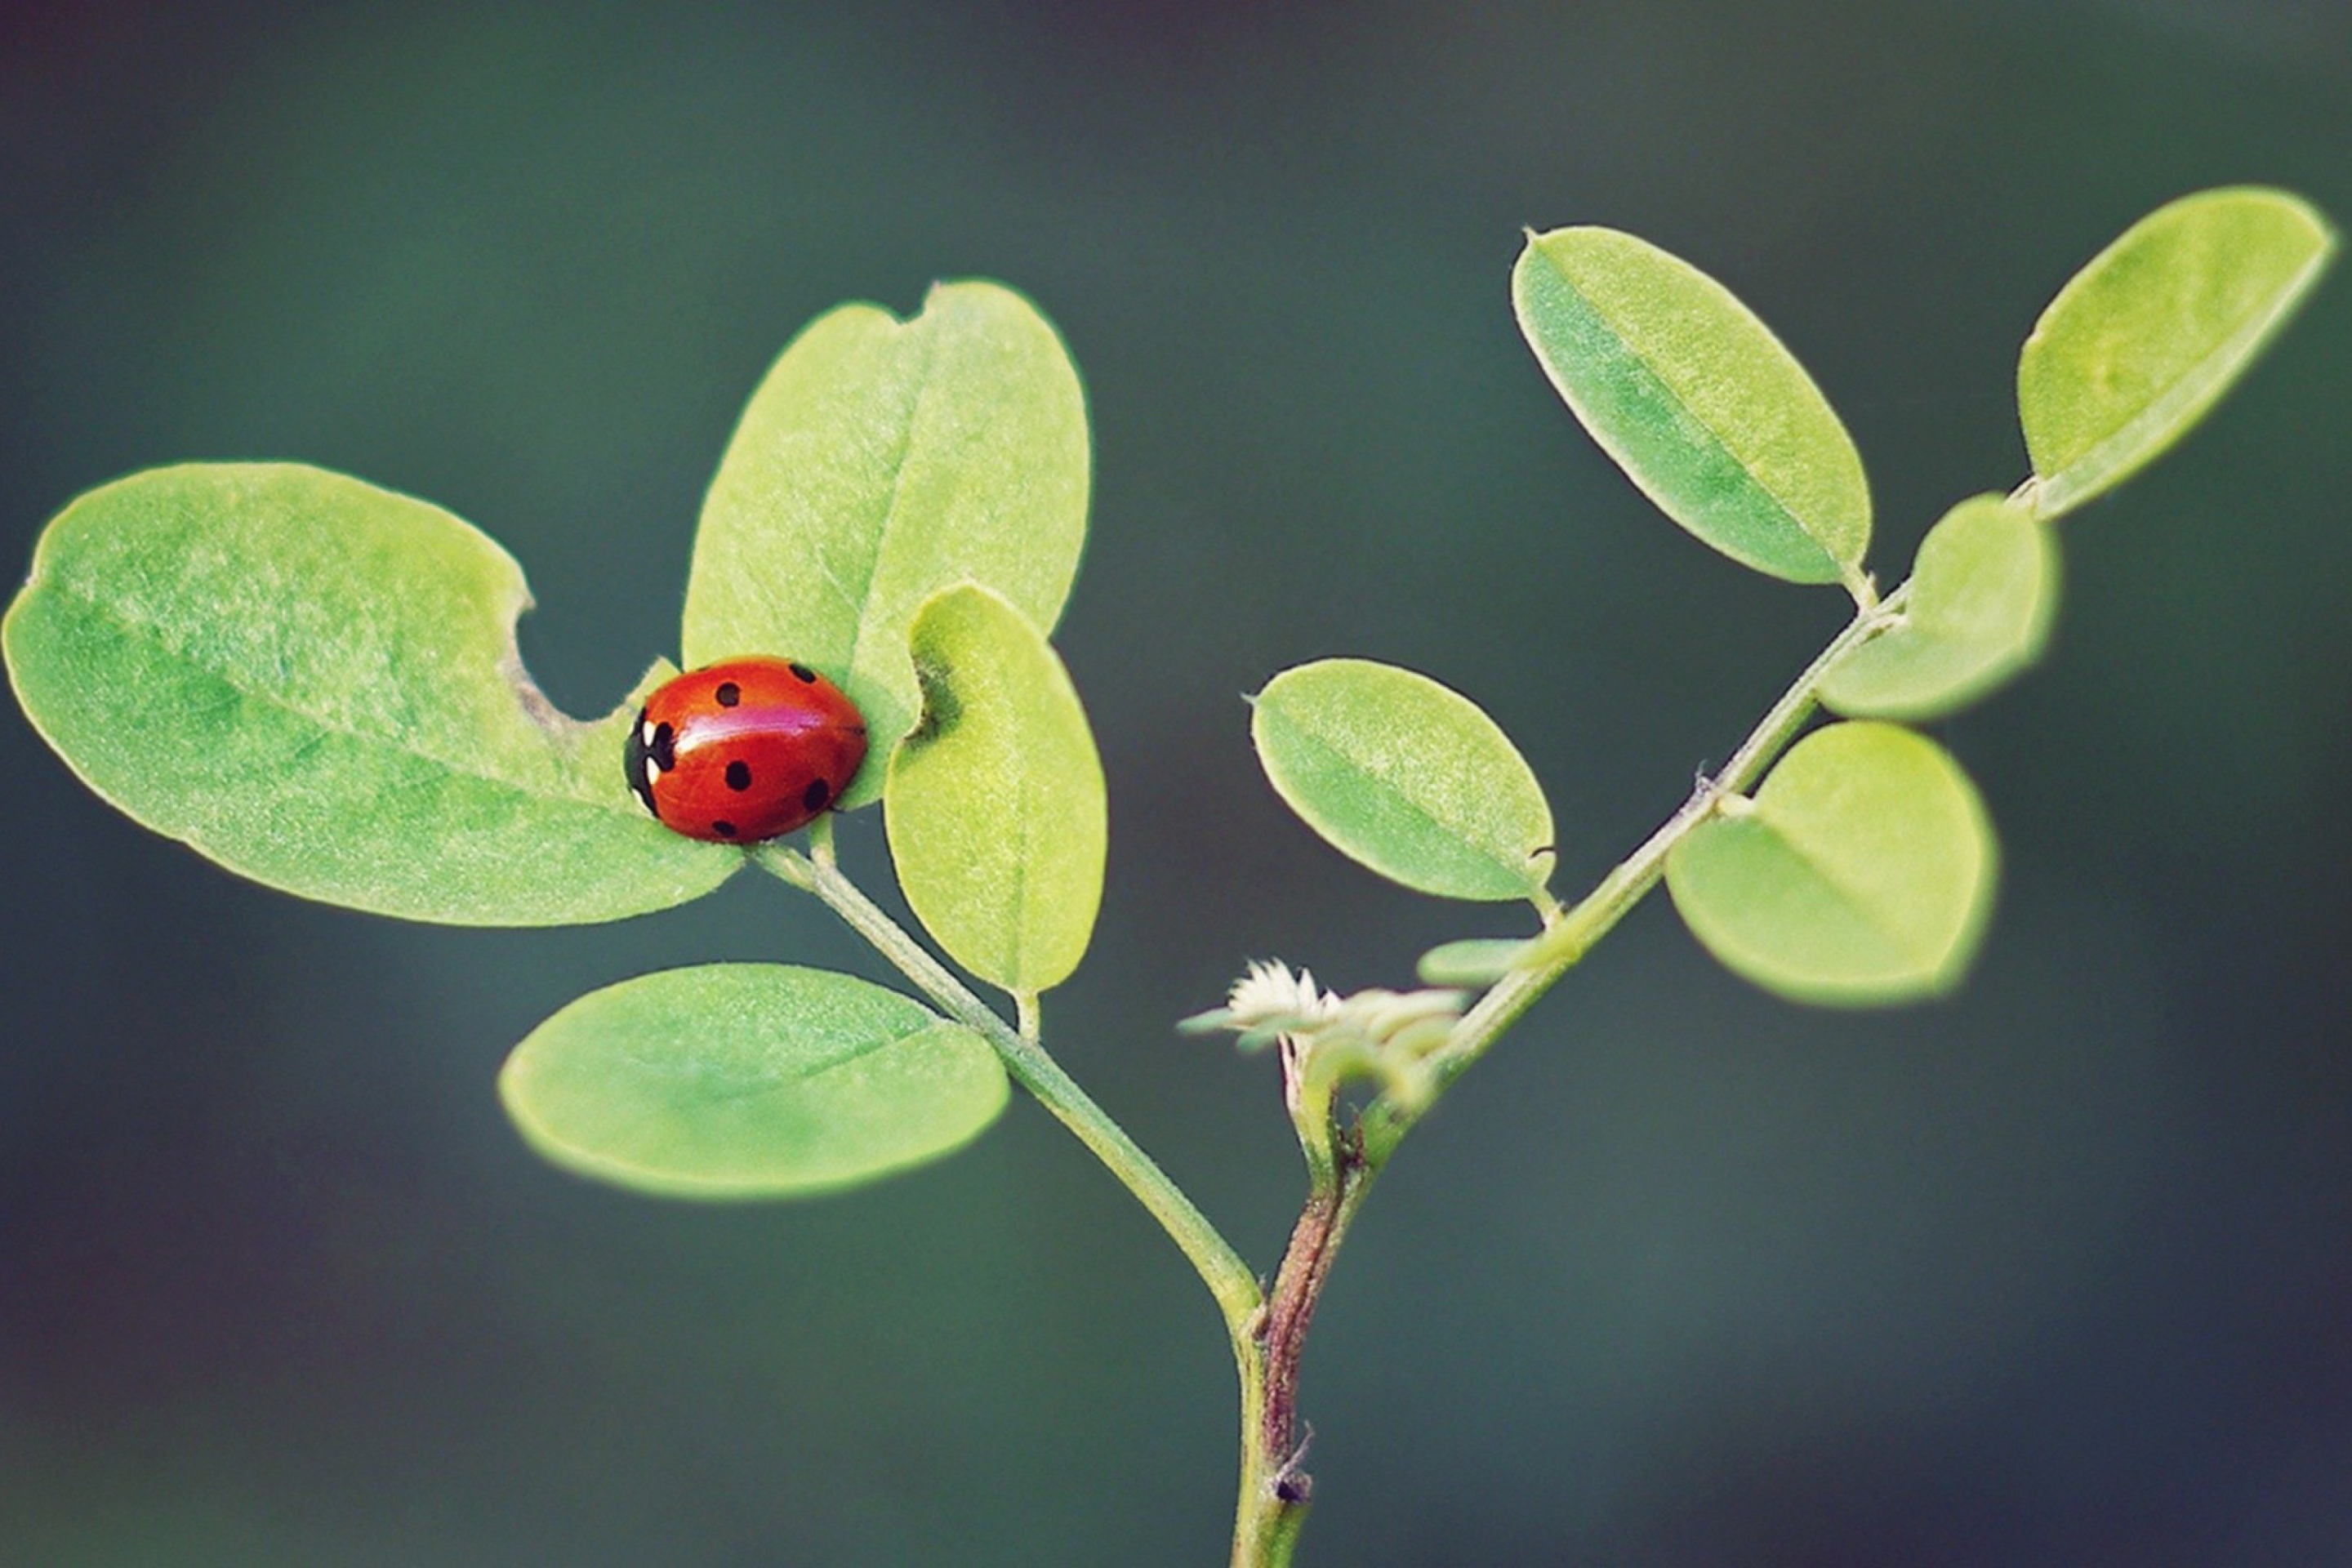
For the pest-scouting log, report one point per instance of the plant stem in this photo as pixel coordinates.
(1221, 1269)
(1268, 1331)
(1557, 950)
(1276, 1491)
(1229, 1279)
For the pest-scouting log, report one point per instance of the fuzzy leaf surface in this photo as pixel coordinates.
(995, 807)
(1862, 873)
(748, 1080)
(1983, 592)
(880, 461)
(1406, 776)
(2142, 341)
(314, 682)
(1696, 399)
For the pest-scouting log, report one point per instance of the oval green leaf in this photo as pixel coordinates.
(1982, 595)
(1696, 401)
(1406, 776)
(995, 804)
(1862, 872)
(314, 682)
(880, 461)
(748, 1080)
(2142, 341)
(1472, 963)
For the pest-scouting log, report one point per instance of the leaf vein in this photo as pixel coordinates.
(924, 382)
(1674, 395)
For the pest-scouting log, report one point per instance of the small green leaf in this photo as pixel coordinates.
(1406, 776)
(879, 462)
(2142, 341)
(748, 1080)
(1697, 402)
(995, 804)
(1861, 873)
(1982, 595)
(314, 682)
(1473, 963)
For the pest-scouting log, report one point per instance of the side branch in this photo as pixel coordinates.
(1221, 1269)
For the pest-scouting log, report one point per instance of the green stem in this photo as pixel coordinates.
(1229, 1279)
(1274, 1489)
(1557, 950)
(1268, 1331)
(1221, 1269)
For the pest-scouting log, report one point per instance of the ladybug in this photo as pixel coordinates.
(744, 749)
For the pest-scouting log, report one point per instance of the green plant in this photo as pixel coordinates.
(315, 682)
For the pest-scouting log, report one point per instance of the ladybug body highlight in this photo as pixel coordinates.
(744, 749)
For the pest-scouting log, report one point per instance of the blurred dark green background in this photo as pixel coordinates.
(2057, 1272)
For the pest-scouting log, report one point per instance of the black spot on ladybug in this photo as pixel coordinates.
(724, 830)
(663, 747)
(738, 776)
(816, 794)
(729, 694)
(805, 673)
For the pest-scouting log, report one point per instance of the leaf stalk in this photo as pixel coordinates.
(1221, 1269)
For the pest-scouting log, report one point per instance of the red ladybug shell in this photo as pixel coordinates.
(744, 749)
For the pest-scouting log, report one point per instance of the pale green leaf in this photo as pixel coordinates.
(1406, 776)
(1696, 401)
(314, 682)
(1473, 962)
(1981, 597)
(995, 804)
(1861, 873)
(748, 1080)
(2142, 341)
(880, 461)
